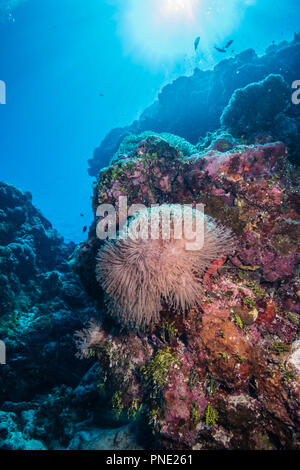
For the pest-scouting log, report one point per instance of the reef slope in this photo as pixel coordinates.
(225, 375)
(192, 106)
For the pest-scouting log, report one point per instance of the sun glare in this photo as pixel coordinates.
(159, 31)
(176, 7)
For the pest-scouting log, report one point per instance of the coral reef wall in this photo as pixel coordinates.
(48, 397)
(192, 106)
(263, 112)
(225, 375)
(40, 298)
(257, 106)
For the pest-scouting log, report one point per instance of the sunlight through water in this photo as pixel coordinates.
(160, 31)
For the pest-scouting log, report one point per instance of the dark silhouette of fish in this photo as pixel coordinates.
(101, 94)
(228, 44)
(84, 229)
(196, 43)
(219, 49)
(81, 215)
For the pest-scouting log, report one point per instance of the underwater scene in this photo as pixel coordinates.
(149, 226)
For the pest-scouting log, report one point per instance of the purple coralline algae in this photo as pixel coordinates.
(223, 375)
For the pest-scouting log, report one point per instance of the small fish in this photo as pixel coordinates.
(84, 229)
(71, 257)
(81, 215)
(196, 43)
(101, 94)
(228, 44)
(219, 49)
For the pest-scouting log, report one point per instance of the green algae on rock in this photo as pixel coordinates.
(242, 334)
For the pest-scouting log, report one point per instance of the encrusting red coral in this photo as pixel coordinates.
(219, 376)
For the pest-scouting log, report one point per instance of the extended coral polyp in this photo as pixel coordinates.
(138, 275)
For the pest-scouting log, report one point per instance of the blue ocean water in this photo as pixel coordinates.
(58, 57)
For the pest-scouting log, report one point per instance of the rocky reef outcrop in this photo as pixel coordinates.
(48, 397)
(190, 107)
(41, 299)
(224, 375)
(262, 112)
(257, 106)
